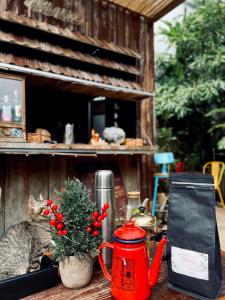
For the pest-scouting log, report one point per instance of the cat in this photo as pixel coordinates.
(23, 245)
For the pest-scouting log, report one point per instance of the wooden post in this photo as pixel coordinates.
(146, 105)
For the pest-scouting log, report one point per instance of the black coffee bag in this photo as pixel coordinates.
(194, 261)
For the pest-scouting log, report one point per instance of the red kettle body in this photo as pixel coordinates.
(131, 278)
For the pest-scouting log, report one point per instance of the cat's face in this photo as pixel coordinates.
(36, 208)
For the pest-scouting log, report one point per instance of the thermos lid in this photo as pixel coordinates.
(130, 232)
(104, 179)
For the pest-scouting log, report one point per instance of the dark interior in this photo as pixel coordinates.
(52, 109)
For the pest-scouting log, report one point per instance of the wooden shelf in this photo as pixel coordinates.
(72, 150)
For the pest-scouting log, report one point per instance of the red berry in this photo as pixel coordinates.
(92, 218)
(95, 233)
(104, 215)
(100, 218)
(59, 232)
(88, 229)
(103, 209)
(54, 207)
(49, 202)
(53, 222)
(95, 224)
(59, 198)
(99, 224)
(59, 226)
(60, 217)
(64, 232)
(95, 214)
(106, 205)
(46, 212)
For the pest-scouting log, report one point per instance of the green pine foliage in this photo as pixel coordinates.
(77, 209)
(191, 81)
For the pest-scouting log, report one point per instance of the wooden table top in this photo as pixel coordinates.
(99, 289)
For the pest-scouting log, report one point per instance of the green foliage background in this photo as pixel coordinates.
(191, 82)
(77, 209)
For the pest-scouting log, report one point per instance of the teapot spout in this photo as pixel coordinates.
(155, 267)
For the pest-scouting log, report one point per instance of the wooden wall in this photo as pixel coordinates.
(94, 18)
(21, 176)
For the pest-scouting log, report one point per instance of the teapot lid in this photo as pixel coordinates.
(143, 220)
(130, 232)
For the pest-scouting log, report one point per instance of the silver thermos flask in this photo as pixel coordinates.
(104, 192)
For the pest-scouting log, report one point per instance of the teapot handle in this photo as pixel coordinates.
(101, 261)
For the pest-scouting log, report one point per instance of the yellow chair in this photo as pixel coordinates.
(216, 168)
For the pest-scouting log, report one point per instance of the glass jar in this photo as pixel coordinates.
(133, 203)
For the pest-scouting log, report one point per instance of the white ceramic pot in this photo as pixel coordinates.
(76, 272)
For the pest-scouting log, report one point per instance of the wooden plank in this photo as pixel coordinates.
(146, 105)
(57, 175)
(99, 289)
(16, 190)
(2, 194)
(164, 10)
(129, 171)
(153, 9)
(105, 20)
(120, 27)
(38, 181)
(88, 5)
(111, 24)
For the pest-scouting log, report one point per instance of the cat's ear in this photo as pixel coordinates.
(32, 203)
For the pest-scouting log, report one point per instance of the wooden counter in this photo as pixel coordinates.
(99, 289)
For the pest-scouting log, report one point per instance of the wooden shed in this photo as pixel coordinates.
(85, 62)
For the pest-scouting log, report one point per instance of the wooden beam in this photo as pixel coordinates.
(162, 11)
(146, 105)
(153, 9)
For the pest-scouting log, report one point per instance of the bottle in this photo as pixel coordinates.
(17, 109)
(6, 110)
(69, 134)
(104, 192)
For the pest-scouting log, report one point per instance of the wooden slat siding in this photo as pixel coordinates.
(2, 197)
(96, 16)
(16, 196)
(88, 17)
(72, 168)
(120, 27)
(38, 182)
(127, 28)
(57, 175)
(137, 34)
(146, 107)
(105, 20)
(129, 171)
(111, 22)
(42, 26)
(45, 47)
(68, 4)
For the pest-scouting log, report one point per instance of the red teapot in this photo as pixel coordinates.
(131, 278)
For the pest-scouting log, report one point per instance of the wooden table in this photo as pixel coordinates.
(99, 289)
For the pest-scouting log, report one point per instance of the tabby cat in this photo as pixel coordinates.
(23, 245)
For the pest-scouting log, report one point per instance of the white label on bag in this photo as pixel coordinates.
(190, 263)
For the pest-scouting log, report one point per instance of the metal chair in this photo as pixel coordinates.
(163, 159)
(216, 169)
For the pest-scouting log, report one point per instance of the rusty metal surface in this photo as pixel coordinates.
(65, 70)
(46, 47)
(99, 289)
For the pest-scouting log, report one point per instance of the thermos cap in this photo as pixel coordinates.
(104, 179)
(130, 232)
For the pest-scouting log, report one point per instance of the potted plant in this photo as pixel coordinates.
(75, 229)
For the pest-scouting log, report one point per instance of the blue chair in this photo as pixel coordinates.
(163, 159)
